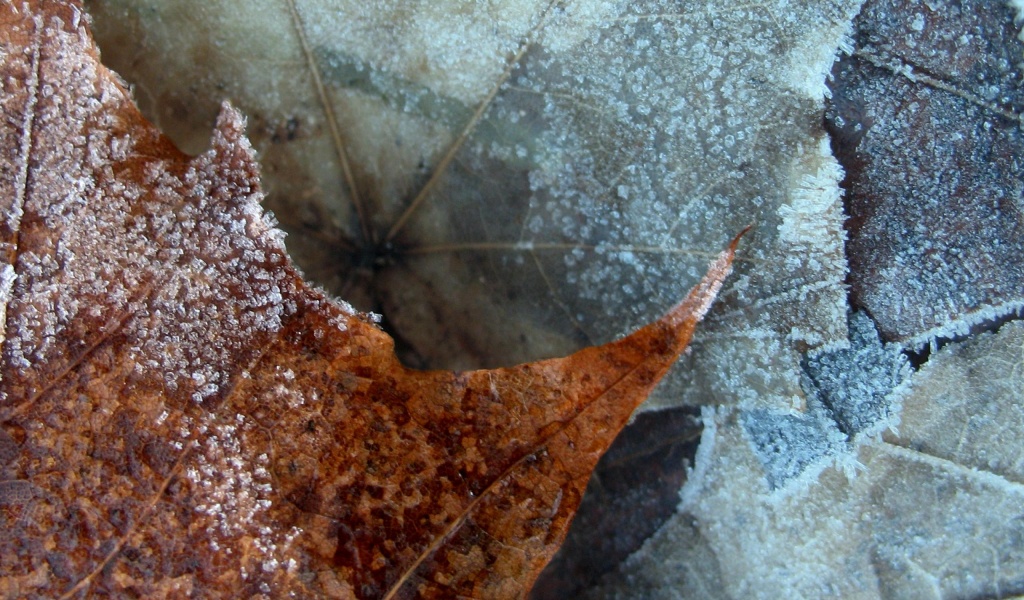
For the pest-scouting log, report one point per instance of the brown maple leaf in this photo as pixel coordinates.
(183, 416)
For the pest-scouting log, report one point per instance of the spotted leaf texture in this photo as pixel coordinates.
(180, 415)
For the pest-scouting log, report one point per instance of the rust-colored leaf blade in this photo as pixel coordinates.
(438, 484)
(554, 420)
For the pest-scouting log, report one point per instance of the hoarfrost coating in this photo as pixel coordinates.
(623, 139)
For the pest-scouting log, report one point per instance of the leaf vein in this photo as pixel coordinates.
(470, 125)
(332, 123)
(981, 475)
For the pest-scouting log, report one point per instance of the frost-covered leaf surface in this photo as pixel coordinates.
(927, 116)
(813, 503)
(936, 511)
(966, 407)
(621, 139)
(849, 394)
(529, 177)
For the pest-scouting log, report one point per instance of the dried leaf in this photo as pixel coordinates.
(825, 502)
(564, 164)
(928, 122)
(634, 490)
(182, 415)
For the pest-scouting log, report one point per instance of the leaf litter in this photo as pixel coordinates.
(792, 297)
(183, 415)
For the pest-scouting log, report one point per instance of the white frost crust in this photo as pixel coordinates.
(958, 328)
(7, 278)
(811, 62)
(811, 232)
(815, 198)
(933, 507)
(462, 49)
(180, 263)
(689, 495)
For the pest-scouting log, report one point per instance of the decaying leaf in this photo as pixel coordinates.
(779, 505)
(927, 117)
(528, 177)
(183, 416)
(634, 490)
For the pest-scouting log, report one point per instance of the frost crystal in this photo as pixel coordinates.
(1018, 19)
(856, 384)
(789, 444)
(136, 284)
(853, 394)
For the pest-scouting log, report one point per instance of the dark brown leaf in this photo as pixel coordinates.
(634, 490)
(927, 119)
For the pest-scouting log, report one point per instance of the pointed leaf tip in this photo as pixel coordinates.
(529, 438)
(697, 303)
